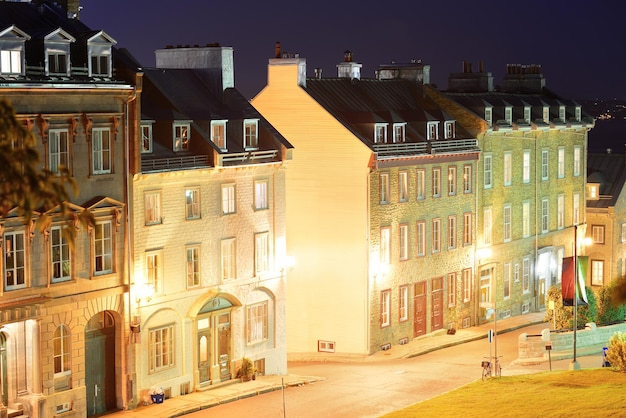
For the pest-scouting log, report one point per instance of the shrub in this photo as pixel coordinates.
(616, 353)
(565, 314)
(610, 310)
(589, 312)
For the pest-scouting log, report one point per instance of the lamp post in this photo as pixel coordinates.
(575, 365)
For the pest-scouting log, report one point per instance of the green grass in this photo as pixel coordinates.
(588, 392)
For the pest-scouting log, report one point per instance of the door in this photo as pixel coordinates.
(100, 364)
(419, 309)
(4, 390)
(204, 355)
(223, 350)
(437, 304)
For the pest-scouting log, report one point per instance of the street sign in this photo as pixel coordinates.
(548, 345)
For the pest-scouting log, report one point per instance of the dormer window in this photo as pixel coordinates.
(489, 116)
(562, 113)
(57, 53)
(578, 113)
(146, 137)
(432, 130)
(450, 129)
(508, 115)
(180, 133)
(527, 114)
(593, 191)
(99, 51)
(399, 132)
(546, 114)
(57, 62)
(12, 41)
(251, 134)
(380, 133)
(11, 61)
(218, 133)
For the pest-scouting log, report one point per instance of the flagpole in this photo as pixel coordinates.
(575, 365)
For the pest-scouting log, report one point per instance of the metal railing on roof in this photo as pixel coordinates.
(175, 163)
(430, 147)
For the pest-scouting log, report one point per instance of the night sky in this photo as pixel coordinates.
(580, 44)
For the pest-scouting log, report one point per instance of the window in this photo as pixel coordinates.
(562, 113)
(467, 228)
(506, 278)
(192, 203)
(228, 255)
(436, 241)
(421, 184)
(487, 181)
(467, 179)
(508, 169)
(451, 232)
(103, 247)
(452, 180)
(546, 114)
(404, 242)
(228, 199)
(385, 308)
(592, 191)
(181, 136)
(507, 223)
(485, 285)
(527, 114)
(59, 152)
(384, 188)
(578, 113)
(251, 134)
(487, 226)
(193, 266)
(526, 275)
(100, 65)
(561, 163)
(146, 138)
(576, 210)
(545, 164)
(526, 219)
(403, 186)
(576, 161)
(161, 346)
(218, 133)
(11, 61)
(449, 129)
(399, 132)
(62, 355)
(516, 273)
(385, 245)
(57, 62)
(432, 130)
(467, 285)
(597, 234)
(380, 133)
(14, 260)
(261, 252)
(260, 195)
(403, 299)
(101, 150)
(152, 201)
(59, 255)
(526, 167)
(488, 116)
(451, 289)
(154, 270)
(256, 323)
(560, 212)
(597, 272)
(545, 216)
(421, 238)
(508, 115)
(436, 182)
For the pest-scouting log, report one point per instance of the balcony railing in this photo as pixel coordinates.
(175, 163)
(430, 147)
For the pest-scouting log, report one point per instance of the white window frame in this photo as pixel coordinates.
(101, 150)
(546, 114)
(12, 61)
(436, 182)
(467, 178)
(384, 189)
(578, 113)
(257, 323)
(228, 256)
(449, 129)
(489, 116)
(399, 132)
(507, 221)
(60, 256)
(59, 149)
(261, 253)
(508, 115)
(192, 203)
(228, 198)
(420, 182)
(527, 114)
(562, 113)
(251, 134)
(488, 171)
(561, 162)
(508, 168)
(467, 285)
(451, 232)
(545, 164)
(52, 63)
(421, 239)
(192, 266)
(218, 134)
(545, 216)
(403, 186)
(380, 133)
(597, 272)
(260, 195)
(577, 154)
(146, 138)
(15, 260)
(181, 136)
(62, 352)
(597, 234)
(97, 62)
(436, 236)
(385, 308)
(404, 241)
(526, 167)
(432, 130)
(451, 180)
(154, 270)
(403, 303)
(103, 248)
(161, 345)
(152, 207)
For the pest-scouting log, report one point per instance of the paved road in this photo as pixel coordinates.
(359, 389)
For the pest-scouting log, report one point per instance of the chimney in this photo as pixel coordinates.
(468, 81)
(318, 73)
(523, 79)
(348, 68)
(277, 50)
(414, 71)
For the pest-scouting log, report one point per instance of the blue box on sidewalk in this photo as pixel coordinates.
(157, 397)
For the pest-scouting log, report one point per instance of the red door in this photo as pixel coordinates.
(437, 304)
(419, 307)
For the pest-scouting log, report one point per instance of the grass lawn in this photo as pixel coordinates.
(588, 392)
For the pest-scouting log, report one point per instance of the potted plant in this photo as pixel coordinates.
(246, 370)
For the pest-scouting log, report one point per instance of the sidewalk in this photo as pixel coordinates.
(235, 390)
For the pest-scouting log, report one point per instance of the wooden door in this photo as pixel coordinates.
(100, 365)
(419, 309)
(437, 304)
(204, 355)
(223, 350)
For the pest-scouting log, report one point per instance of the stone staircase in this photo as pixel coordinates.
(16, 413)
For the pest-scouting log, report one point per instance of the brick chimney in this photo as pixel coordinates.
(523, 79)
(469, 81)
(71, 7)
(349, 68)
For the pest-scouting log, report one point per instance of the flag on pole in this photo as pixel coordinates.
(569, 285)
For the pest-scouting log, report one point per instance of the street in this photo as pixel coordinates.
(371, 389)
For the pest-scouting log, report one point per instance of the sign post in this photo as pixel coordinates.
(549, 349)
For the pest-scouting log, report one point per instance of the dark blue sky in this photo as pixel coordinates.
(580, 44)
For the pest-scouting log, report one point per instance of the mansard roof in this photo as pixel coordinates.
(609, 170)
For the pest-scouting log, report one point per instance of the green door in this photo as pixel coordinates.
(100, 364)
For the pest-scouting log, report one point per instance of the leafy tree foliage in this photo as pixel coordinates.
(564, 315)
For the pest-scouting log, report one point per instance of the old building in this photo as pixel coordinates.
(381, 207)
(208, 222)
(530, 182)
(606, 218)
(63, 323)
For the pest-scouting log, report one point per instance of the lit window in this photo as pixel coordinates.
(161, 348)
(228, 199)
(218, 133)
(576, 161)
(260, 195)
(385, 307)
(506, 273)
(101, 150)
(560, 212)
(526, 275)
(403, 299)
(597, 272)
(256, 323)
(399, 132)
(14, 260)
(261, 252)
(467, 285)
(380, 133)
(103, 247)
(152, 202)
(62, 357)
(193, 266)
(452, 180)
(404, 242)
(154, 271)
(181, 136)
(11, 61)
(59, 255)
(508, 168)
(59, 152)
(545, 164)
(597, 234)
(403, 186)
(228, 256)
(546, 114)
(526, 167)
(561, 163)
(146, 138)
(192, 203)
(467, 179)
(251, 133)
